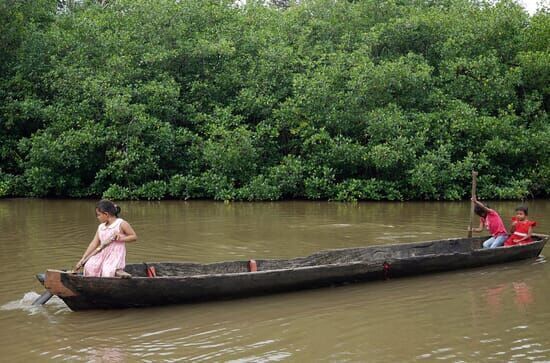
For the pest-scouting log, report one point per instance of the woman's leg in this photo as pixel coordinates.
(489, 242)
(93, 266)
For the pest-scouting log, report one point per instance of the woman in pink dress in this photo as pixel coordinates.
(111, 237)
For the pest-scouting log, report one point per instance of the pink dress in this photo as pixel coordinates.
(111, 258)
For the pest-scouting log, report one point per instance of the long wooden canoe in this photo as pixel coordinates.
(178, 283)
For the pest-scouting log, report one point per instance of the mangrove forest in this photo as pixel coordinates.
(258, 100)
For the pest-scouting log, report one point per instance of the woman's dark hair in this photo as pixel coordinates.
(480, 211)
(522, 208)
(106, 206)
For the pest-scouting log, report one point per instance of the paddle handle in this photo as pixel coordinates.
(472, 204)
(94, 252)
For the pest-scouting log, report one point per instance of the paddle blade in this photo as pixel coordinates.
(42, 299)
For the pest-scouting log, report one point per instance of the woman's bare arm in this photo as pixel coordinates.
(483, 206)
(91, 247)
(478, 229)
(128, 231)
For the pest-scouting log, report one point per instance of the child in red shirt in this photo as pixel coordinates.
(521, 229)
(491, 220)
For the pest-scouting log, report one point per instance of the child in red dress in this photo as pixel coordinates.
(521, 229)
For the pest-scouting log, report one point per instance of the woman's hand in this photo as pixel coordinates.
(108, 242)
(79, 265)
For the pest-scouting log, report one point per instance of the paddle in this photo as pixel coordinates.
(474, 187)
(42, 299)
(47, 295)
(92, 254)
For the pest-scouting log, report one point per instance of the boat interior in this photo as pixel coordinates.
(328, 257)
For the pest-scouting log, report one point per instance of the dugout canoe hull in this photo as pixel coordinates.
(179, 283)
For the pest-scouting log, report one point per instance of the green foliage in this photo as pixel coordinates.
(352, 190)
(154, 190)
(320, 183)
(515, 189)
(116, 192)
(484, 82)
(231, 153)
(185, 187)
(436, 177)
(5, 185)
(324, 99)
(217, 187)
(260, 188)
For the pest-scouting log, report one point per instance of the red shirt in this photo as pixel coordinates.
(522, 229)
(494, 224)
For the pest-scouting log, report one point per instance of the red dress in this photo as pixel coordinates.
(522, 228)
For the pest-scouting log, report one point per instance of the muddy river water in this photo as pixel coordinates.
(498, 313)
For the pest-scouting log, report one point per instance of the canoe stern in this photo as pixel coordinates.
(54, 283)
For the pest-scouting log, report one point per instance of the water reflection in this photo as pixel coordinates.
(110, 355)
(494, 299)
(523, 296)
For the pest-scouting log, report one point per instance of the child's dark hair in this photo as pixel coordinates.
(522, 208)
(480, 211)
(106, 206)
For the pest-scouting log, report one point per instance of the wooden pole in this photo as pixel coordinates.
(472, 204)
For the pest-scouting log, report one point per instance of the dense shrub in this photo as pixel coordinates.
(338, 100)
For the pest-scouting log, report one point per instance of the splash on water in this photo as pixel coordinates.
(25, 303)
(540, 259)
